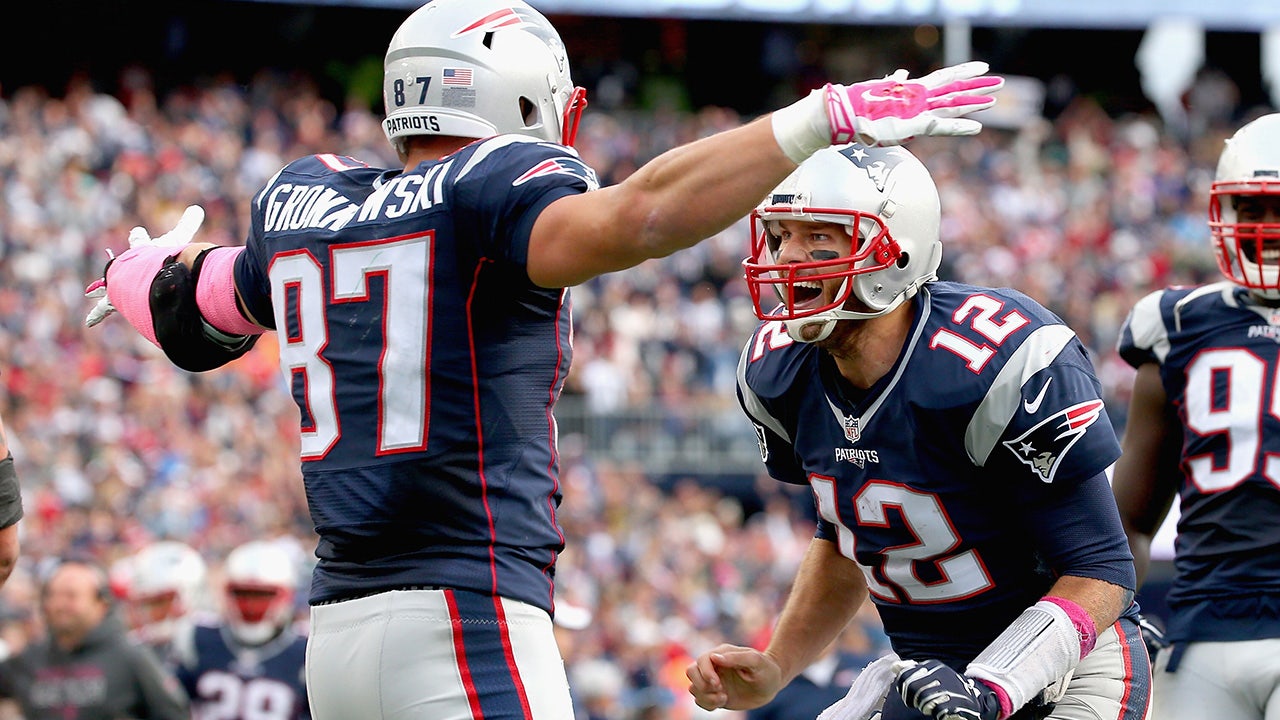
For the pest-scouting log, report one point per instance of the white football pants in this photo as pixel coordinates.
(434, 655)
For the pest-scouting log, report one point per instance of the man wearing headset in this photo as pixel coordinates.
(86, 667)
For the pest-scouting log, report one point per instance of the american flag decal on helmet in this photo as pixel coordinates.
(1043, 446)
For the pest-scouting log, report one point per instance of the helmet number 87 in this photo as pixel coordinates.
(398, 90)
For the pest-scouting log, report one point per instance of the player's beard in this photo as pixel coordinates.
(837, 342)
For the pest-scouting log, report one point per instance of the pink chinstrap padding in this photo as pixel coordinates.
(1081, 619)
(216, 293)
(129, 285)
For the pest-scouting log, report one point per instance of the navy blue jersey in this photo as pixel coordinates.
(966, 480)
(424, 361)
(229, 681)
(1219, 356)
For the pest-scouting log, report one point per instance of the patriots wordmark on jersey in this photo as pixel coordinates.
(930, 478)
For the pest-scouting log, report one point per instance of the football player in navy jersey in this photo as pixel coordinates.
(424, 326)
(956, 445)
(250, 665)
(1204, 426)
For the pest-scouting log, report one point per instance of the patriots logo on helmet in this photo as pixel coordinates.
(1043, 446)
(502, 18)
(878, 162)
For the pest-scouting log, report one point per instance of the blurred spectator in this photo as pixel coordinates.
(87, 668)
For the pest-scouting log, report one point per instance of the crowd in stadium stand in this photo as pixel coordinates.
(1086, 213)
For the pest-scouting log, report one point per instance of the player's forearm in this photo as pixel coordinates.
(689, 193)
(1102, 600)
(674, 201)
(827, 593)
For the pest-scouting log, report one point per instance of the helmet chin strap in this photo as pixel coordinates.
(828, 319)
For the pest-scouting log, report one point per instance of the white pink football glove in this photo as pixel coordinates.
(888, 111)
(131, 273)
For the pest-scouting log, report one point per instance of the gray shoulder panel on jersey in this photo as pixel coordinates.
(755, 408)
(1224, 288)
(497, 142)
(1146, 324)
(995, 411)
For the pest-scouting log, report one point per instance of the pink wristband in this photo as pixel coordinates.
(1081, 619)
(129, 279)
(216, 293)
(1006, 705)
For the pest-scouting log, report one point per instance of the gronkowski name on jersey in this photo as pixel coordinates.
(928, 478)
(424, 362)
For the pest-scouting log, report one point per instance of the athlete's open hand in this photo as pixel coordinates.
(139, 243)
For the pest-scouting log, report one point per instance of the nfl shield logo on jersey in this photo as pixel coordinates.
(1043, 446)
(852, 428)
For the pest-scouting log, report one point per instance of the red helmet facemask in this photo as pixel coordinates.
(877, 251)
(573, 116)
(1248, 253)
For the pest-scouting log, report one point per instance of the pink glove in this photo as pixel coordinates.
(886, 112)
(129, 275)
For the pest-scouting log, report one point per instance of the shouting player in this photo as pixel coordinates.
(955, 442)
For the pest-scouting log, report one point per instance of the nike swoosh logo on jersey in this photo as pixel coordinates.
(1032, 406)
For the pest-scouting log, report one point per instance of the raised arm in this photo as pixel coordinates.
(691, 192)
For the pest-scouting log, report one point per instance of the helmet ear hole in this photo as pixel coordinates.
(528, 111)
(904, 260)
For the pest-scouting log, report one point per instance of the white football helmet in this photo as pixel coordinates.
(1249, 166)
(260, 581)
(165, 583)
(889, 204)
(477, 68)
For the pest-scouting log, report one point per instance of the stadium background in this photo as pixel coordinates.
(675, 538)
